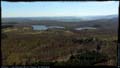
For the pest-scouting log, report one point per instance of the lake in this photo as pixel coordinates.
(58, 27)
(39, 27)
(44, 27)
(83, 28)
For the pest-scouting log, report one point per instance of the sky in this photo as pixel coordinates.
(60, 8)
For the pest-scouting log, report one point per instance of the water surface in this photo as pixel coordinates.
(39, 27)
(83, 28)
(44, 27)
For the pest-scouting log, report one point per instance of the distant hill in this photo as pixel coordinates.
(64, 18)
(100, 17)
(110, 21)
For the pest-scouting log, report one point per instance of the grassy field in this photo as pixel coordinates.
(59, 47)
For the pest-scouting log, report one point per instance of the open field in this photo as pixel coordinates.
(56, 47)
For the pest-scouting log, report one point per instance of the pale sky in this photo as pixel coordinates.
(60, 8)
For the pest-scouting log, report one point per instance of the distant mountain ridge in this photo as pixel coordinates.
(63, 19)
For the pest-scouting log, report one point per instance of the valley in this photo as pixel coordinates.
(93, 43)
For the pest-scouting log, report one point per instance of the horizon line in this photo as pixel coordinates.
(60, 16)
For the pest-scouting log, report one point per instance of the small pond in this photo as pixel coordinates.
(83, 28)
(39, 27)
(44, 27)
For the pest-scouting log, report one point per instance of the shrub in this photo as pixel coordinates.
(87, 58)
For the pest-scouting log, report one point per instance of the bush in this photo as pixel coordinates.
(3, 36)
(87, 58)
(42, 63)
